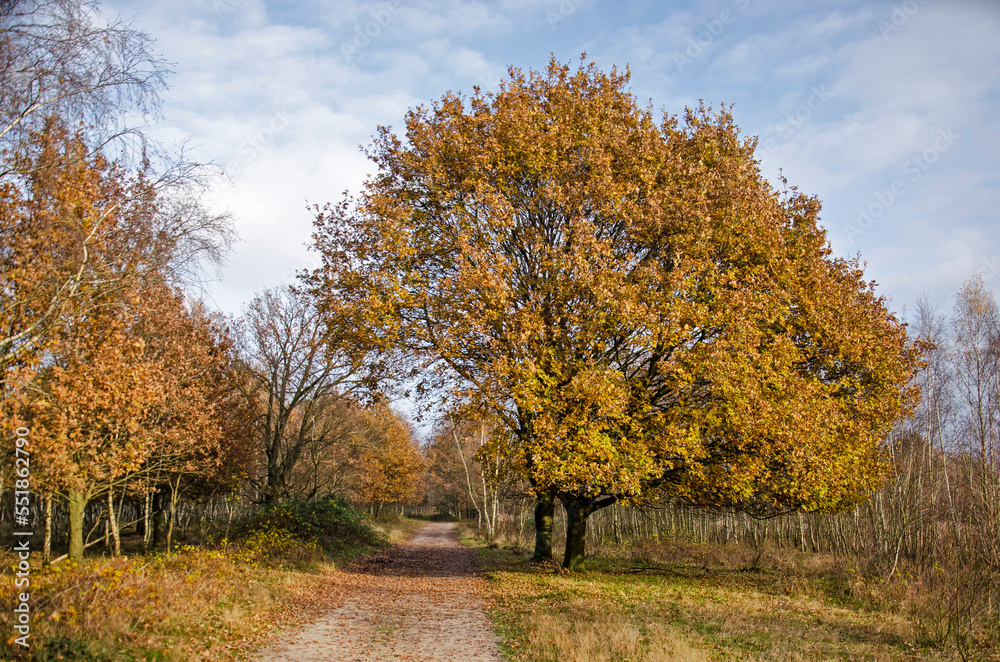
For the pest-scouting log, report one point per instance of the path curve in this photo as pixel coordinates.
(417, 601)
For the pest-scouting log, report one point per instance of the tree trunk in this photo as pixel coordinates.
(271, 491)
(113, 522)
(47, 544)
(174, 494)
(577, 512)
(157, 518)
(77, 502)
(147, 521)
(274, 464)
(545, 509)
(802, 533)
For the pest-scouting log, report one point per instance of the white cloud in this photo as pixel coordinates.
(269, 90)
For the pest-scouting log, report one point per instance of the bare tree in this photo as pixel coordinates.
(330, 461)
(63, 58)
(299, 371)
(71, 84)
(976, 324)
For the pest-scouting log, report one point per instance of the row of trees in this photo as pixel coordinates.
(115, 377)
(623, 305)
(950, 459)
(133, 392)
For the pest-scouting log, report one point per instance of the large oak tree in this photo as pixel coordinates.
(632, 300)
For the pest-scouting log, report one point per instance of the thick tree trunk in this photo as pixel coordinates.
(275, 466)
(545, 509)
(271, 491)
(77, 502)
(577, 512)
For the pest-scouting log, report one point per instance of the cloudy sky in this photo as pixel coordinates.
(885, 110)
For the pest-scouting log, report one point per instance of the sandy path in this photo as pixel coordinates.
(417, 601)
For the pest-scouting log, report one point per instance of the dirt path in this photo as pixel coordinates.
(417, 601)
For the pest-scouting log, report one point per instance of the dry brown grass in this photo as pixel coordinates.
(194, 604)
(683, 601)
(584, 631)
(191, 605)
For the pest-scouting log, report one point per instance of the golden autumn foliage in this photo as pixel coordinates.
(139, 392)
(635, 302)
(116, 377)
(391, 466)
(75, 232)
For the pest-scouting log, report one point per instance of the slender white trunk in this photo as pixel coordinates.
(175, 490)
(113, 524)
(47, 544)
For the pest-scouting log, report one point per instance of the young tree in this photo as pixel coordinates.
(87, 411)
(633, 302)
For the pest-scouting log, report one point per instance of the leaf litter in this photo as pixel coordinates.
(418, 601)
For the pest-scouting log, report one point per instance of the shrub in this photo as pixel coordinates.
(274, 547)
(298, 531)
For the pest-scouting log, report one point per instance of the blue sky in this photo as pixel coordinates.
(885, 110)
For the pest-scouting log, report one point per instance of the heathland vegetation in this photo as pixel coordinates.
(627, 334)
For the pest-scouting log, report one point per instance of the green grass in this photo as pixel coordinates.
(678, 601)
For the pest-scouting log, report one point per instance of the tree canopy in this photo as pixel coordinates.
(633, 300)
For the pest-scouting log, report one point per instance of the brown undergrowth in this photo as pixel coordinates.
(196, 603)
(676, 600)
